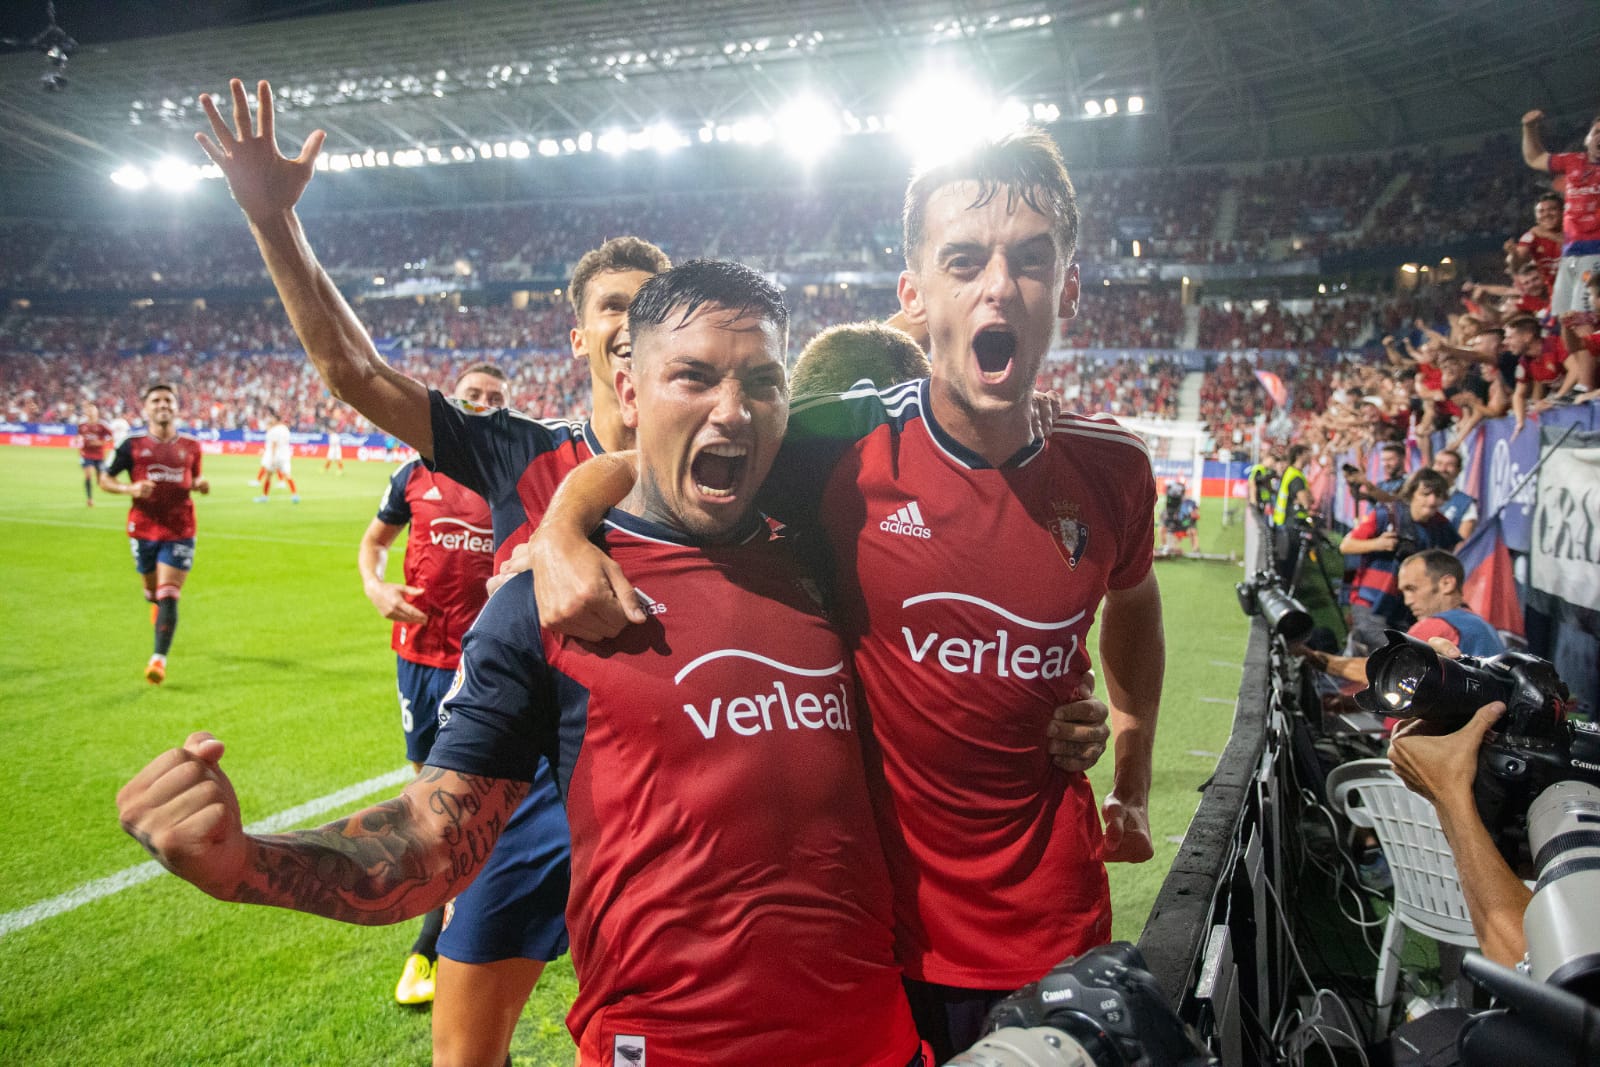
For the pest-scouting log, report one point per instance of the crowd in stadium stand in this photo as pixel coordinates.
(1437, 366)
(1281, 211)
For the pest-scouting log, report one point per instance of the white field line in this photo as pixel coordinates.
(204, 536)
(88, 892)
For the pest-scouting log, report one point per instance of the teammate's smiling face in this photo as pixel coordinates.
(601, 335)
(1547, 213)
(991, 283)
(160, 409)
(709, 402)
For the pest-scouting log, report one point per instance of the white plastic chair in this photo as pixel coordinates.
(1427, 896)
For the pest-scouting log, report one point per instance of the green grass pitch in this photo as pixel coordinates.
(280, 655)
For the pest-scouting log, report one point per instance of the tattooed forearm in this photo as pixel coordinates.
(390, 862)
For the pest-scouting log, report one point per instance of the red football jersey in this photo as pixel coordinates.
(167, 514)
(729, 901)
(1580, 220)
(94, 440)
(969, 591)
(449, 554)
(1544, 253)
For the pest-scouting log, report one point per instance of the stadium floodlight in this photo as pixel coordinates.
(434, 155)
(1091, 108)
(1135, 105)
(381, 159)
(339, 162)
(1111, 105)
(548, 146)
(707, 133)
(129, 177)
(174, 175)
(585, 141)
(1013, 112)
(665, 137)
(569, 145)
(942, 116)
(613, 142)
(808, 128)
(518, 150)
(499, 149)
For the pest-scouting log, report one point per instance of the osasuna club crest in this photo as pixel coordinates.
(1068, 531)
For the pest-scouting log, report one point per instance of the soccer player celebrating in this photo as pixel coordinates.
(737, 913)
(1180, 518)
(449, 558)
(500, 932)
(163, 466)
(94, 440)
(997, 858)
(277, 454)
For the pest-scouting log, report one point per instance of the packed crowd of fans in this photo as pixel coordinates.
(1282, 210)
(1358, 369)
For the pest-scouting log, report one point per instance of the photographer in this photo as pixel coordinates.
(1441, 767)
(1383, 540)
(1430, 583)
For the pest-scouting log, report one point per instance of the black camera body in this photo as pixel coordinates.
(1535, 744)
(1263, 594)
(1103, 1002)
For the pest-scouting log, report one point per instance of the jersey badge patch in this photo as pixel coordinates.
(907, 522)
(1068, 531)
(627, 1050)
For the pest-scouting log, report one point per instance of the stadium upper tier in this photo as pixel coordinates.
(1282, 212)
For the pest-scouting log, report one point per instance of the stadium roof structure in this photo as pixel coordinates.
(1215, 80)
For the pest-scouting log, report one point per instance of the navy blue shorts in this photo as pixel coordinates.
(146, 554)
(516, 907)
(422, 689)
(97, 464)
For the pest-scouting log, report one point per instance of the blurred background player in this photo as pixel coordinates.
(843, 355)
(449, 558)
(95, 439)
(277, 452)
(1180, 518)
(335, 452)
(164, 468)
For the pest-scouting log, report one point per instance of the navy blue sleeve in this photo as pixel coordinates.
(501, 714)
(123, 460)
(394, 508)
(486, 451)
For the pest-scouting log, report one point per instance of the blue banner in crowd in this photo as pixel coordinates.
(1505, 461)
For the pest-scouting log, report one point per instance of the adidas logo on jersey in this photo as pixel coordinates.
(433, 493)
(907, 521)
(651, 606)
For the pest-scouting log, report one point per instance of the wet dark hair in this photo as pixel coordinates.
(617, 254)
(1025, 164)
(678, 293)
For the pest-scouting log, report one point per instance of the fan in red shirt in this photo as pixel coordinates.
(1541, 245)
(164, 468)
(1580, 218)
(94, 441)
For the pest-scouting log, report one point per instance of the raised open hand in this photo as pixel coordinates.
(262, 179)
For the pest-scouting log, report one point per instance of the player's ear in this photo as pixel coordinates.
(910, 292)
(575, 339)
(1070, 290)
(627, 398)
